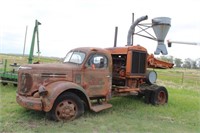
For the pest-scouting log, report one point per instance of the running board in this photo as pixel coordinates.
(100, 107)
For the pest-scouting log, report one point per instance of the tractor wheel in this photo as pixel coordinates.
(147, 96)
(67, 107)
(140, 95)
(4, 83)
(159, 96)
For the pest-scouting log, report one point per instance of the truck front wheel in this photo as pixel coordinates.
(67, 107)
(159, 96)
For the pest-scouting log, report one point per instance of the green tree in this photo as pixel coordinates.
(187, 63)
(194, 64)
(167, 58)
(178, 62)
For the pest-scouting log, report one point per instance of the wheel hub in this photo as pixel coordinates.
(161, 97)
(66, 110)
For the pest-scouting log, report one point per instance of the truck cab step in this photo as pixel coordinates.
(100, 107)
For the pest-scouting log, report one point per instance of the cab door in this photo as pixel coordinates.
(97, 77)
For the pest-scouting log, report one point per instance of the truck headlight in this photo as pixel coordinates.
(151, 77)
(42, 91)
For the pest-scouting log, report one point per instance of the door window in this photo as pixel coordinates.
(97, 61)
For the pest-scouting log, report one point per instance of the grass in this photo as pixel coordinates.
(128, 114)
(180, 78)
(24, 59)
(20, 60)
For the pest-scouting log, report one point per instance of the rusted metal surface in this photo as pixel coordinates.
(97, 108)
(57, 78)
(66, 110)
(57, 88)
(155, 63)
(161, 97)
(29, 102)
(127, 89)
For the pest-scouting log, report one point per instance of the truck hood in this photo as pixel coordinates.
(31, 76)
(51, 67)
(55, 71)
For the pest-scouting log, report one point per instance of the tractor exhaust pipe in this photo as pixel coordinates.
(115, 37)
(132, 30)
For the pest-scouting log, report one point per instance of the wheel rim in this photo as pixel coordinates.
(66, 110)
(161, 97)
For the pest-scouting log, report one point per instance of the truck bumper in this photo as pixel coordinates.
(29, 102)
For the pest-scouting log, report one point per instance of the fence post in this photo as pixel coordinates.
(182, 77)
(5, 65)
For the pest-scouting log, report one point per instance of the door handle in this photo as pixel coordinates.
(108, 76)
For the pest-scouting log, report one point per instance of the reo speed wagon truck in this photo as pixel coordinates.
(88, 78)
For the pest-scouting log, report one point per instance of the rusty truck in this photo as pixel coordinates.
(89, 77)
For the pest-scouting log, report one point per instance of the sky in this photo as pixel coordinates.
(67, 24)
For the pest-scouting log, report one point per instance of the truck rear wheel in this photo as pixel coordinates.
(67, 107)
(159, 96)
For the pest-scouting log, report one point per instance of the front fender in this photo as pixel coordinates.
(55, 89)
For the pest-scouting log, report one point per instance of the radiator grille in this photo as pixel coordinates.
(138, 62)
(26, 82)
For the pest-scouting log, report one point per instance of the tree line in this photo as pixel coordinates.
(185, 63)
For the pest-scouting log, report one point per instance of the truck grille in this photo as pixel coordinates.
(138, 62)
(26, 82)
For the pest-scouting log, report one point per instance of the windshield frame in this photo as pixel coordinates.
(71, 55)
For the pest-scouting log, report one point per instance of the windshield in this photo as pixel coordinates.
(74, 57)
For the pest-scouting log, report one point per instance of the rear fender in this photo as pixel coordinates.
(55, 89)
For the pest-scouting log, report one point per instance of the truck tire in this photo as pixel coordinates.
(159, 96)
(147, 96)
(67, 107)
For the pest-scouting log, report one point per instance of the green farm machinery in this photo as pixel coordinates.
(9, 73)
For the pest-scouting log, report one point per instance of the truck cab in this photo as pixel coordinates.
(83, 80)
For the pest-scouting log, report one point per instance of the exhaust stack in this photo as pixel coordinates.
(132, 30)
(161, 27)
